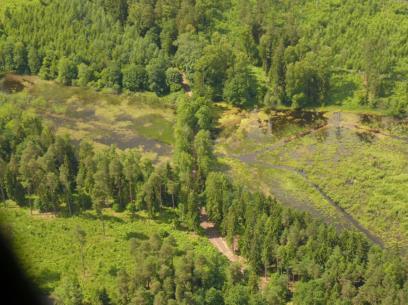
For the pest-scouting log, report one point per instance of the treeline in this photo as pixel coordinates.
(132, 45)
(312, 49)
(312, 53)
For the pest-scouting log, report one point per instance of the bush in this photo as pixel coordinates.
(134, 78)
(174, 79)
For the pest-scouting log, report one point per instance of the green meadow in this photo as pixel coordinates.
(47, 255)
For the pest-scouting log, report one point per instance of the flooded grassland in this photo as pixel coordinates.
(350, 169)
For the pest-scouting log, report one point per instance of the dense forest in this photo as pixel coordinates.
(274, 53)
(53, 174)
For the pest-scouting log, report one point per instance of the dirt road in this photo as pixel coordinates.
(217, 240)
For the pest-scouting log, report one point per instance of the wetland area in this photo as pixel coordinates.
(350, 169)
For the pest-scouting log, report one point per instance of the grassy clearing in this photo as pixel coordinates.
(48, 246)
(288, 188)
(128, 120)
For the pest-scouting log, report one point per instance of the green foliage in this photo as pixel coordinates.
(307, 81)
(300, 55)
(174, 79)
(156, 71)
(69, 292)
(51, 254)
(134, 78)
(241, 87)
(211, 68)
(84, 75)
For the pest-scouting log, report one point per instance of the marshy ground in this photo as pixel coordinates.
(346, 168)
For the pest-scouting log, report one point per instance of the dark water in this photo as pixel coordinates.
(397, 126)
(280, 121)
(10, 85)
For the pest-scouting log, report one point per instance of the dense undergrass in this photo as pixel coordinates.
(48, 247)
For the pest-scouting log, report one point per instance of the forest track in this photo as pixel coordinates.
(186, 86)
(216, 239)
(220, 243)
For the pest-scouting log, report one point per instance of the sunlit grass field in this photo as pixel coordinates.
(49, 248)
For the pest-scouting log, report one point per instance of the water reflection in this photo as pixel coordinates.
(280, 120)
(397, 125)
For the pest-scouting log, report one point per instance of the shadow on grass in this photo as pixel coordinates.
(341, 91)
(166, 216)
(109, 218)
(136, 235)
(46, 277)
(170, 216)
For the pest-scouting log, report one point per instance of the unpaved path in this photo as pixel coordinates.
(221, 245)
(217, 240)
(186, 86)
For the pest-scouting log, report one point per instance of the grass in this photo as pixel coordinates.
(48, 246)
(288, 188)
(13, 3)
(365, 173)
(129, 120)
(366, 176)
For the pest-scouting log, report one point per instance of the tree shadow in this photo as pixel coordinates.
(46, 277)
(136, 235)
(166, 216)
(341, 91)
(109, 218)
